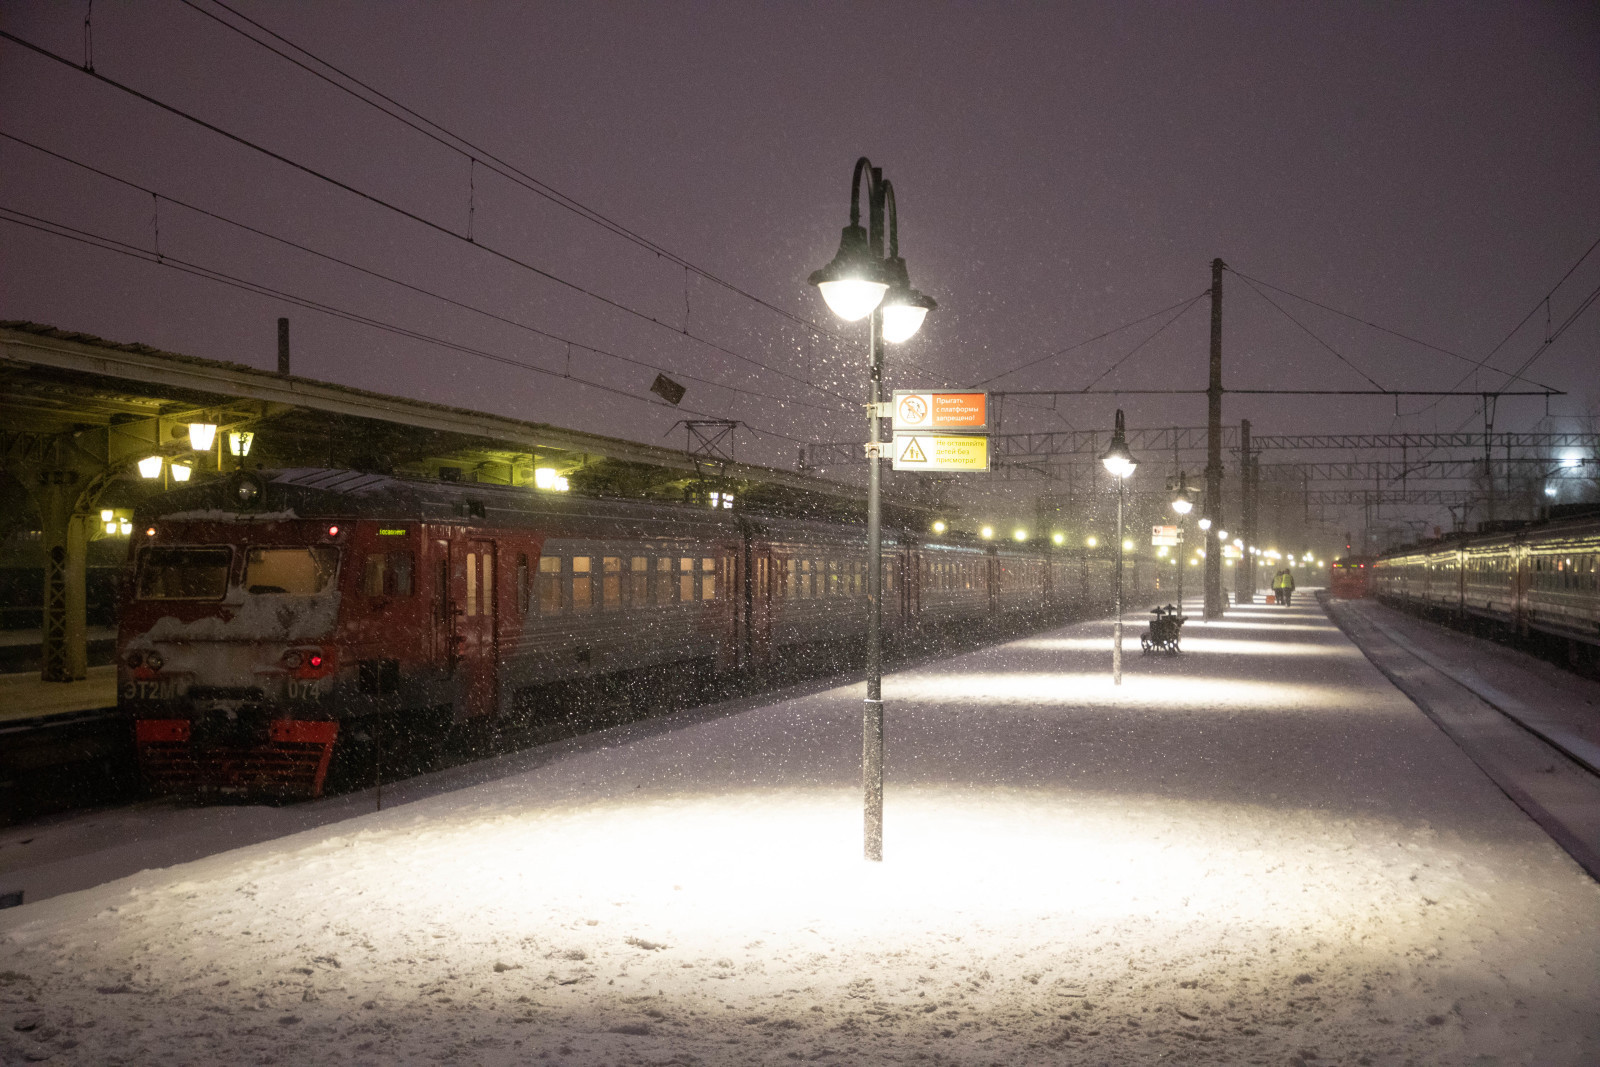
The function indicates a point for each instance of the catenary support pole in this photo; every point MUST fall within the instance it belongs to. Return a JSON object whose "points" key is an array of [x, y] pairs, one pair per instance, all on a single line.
{"points": [[1213, 577]]}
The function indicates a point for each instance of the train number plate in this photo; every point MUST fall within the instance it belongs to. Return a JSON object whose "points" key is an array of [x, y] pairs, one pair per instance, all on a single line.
{"points": [[305, 689], [153, 689]]}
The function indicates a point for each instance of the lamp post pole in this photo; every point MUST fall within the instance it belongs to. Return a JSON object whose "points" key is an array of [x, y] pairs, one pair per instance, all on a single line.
{"points": [[872, 709], [1120, 463], [863, 282], [1116, 632]]}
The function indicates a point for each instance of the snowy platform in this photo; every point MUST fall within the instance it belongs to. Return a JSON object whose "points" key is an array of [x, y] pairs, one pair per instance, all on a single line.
{"points": [[26, 696], [1258, 851]]}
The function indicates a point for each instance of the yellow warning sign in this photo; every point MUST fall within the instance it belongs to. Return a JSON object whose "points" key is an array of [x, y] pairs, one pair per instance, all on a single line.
{"points": [[930, 452]]}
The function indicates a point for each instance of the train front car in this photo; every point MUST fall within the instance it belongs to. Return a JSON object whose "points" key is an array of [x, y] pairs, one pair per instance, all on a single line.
{"points": [[234, 659], [1350, 577]]}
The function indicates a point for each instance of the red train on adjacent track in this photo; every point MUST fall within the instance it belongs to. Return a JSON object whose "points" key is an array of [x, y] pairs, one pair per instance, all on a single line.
{"points": [[272, 617], [1350, 577]]}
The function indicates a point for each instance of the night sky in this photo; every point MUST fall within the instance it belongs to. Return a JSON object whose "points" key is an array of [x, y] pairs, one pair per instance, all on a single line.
{"points": [[1061, 170]]}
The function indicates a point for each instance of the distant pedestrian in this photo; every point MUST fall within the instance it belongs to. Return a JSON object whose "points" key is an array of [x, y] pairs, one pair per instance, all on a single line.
{"points": [[1283, 587]]}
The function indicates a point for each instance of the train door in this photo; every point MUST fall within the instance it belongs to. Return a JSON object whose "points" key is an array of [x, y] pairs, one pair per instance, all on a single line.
{"points": [[472, 604], [757, 601]]}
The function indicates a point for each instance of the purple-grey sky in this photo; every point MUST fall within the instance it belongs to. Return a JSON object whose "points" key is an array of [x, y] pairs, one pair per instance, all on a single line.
{"points": [[1061, 169]]}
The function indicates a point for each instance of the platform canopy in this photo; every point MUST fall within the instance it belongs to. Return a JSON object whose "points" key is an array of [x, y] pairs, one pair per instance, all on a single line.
{"points": [[78, 414]]}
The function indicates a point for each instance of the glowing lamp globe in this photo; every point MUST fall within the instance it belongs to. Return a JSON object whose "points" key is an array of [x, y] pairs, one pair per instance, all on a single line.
{"points": [[901, 321], [1182, 505], [201, 434], [1117, 459], [853, 283]]}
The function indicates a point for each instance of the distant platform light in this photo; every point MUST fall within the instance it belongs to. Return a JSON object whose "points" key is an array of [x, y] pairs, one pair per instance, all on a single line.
{"points": [[1127, 546], [125, 526], [239, 442], [201, 435], [939, 526], [1092, 542], [150, 467], [1058, 538], [987, 531], [107, 514], [1020, 535], [181, 472]]}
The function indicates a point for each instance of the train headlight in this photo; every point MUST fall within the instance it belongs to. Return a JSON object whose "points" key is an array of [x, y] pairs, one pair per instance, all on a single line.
{"points": [[153, 660], [291, 659], [135, 659]]}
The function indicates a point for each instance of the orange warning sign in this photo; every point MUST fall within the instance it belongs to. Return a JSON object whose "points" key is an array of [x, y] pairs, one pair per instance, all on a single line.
{"points": [[965, 411]]}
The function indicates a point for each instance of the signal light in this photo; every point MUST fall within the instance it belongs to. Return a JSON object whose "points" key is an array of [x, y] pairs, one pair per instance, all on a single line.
{"points": [[314, 659], [153, 660], [333, 531]]}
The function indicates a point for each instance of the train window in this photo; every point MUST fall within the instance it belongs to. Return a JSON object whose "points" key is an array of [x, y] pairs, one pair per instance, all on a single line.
{"points": [[708, 579], [522, 583], [184, 573], [472, 584], [387, 574], [685, 579], [582, 590], [441, 581], [295, 571], [803, 579], [638, 581], [551, 599], [664, 580], [611, 583], [487, 601]]}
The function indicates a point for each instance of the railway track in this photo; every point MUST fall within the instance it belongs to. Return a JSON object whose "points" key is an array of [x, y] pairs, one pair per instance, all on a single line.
{"points": [[1532, 729]]}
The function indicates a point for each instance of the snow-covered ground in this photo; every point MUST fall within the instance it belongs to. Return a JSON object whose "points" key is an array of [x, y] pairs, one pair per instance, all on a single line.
{"points": [[1256, 852]]}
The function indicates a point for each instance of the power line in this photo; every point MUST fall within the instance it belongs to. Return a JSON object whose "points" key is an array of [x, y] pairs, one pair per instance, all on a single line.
{"points": [[1308, 331], [1365, 322], [1089, 341], [1543, 302], [455, 142], [57, 229], [372, 198], [1135, 349], [401, 283]]}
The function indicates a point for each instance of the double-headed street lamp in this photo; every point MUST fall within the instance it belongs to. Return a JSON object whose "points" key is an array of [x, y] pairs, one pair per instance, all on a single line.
{"points": [[1120, 462], [861, 281]]}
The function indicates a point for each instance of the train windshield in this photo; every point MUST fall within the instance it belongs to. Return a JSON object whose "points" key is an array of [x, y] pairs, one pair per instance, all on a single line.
{"points": [[183, 573], [296, 571]]}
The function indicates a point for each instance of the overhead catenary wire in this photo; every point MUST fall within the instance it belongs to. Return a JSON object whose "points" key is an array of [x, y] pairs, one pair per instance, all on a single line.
{"points": [[61, 230], [443, 135], [1309, 332], [558, 338], [1091, 340], [403, 212], [1365, 322], [1544, 303]]}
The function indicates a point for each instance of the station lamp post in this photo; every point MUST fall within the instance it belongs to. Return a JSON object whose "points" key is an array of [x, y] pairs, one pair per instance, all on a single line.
{"points": [[1120, 462], [1182, 503], [863, 283]]}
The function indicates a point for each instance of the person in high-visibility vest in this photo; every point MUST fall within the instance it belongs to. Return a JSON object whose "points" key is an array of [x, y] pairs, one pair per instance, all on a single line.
{"points": [[1283, 586]]}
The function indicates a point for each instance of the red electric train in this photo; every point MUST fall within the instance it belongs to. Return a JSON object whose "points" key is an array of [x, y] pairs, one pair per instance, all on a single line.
{"points": [[270, 616], [1349, 577]]}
